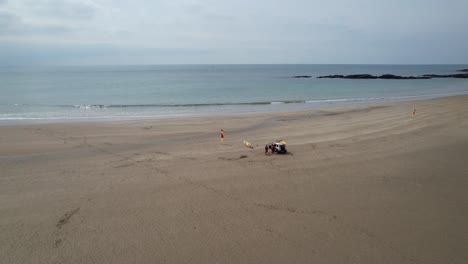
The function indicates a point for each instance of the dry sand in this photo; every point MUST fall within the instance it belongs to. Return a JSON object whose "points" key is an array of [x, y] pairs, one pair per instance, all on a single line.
{"points": [[362, 184]]}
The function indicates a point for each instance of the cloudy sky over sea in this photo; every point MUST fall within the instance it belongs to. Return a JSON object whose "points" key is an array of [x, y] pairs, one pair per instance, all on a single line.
{"points": [[88, 32]]}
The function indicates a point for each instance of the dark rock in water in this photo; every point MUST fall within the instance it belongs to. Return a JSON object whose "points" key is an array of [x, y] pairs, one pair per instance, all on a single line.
{"points": [[437, 76], [368, 76], [391, 76], [332, 76], [458, 75], [397, 77], [302, 76], [360, 76]]}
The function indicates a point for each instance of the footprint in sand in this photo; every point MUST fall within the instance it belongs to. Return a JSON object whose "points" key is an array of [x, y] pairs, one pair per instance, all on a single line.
{"points": [[66, 217]]}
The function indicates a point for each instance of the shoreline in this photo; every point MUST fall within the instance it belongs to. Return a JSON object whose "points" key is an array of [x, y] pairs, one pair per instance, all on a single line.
{"points": [[366, 184], [286, 107]]}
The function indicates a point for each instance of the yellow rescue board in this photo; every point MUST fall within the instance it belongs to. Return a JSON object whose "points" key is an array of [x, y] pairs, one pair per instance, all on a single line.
{"points": [[247, 144]]}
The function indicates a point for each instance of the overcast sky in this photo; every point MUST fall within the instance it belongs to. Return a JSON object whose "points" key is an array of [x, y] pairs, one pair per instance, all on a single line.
{"points": [[82, 32]]}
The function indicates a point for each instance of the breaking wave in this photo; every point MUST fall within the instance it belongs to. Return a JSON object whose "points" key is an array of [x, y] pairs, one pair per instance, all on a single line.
{"points": [[15, 112], [101, 106], [276, 102]]}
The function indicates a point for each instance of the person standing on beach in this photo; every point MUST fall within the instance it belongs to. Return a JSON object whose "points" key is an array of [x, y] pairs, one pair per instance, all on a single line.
{"points": [[266, 149]]}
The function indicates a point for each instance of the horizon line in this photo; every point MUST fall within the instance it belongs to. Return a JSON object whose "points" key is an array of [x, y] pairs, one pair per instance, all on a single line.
{"points": [[208, 64]]}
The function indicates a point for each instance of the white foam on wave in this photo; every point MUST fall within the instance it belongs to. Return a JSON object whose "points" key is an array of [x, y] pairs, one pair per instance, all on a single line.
{"points": [[344, 100], [361, 99], [90, 106], [77, 115]]}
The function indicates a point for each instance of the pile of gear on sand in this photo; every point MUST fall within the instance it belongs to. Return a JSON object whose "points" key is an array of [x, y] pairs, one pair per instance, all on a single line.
{"points": [[279, 146]]}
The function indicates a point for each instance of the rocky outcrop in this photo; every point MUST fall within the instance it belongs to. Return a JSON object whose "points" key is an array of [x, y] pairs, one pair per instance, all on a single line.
{"points": [[332, 76], [458, 75], [360, 76], [302, 76], [368, 76], [395, 77], [463, 75]]}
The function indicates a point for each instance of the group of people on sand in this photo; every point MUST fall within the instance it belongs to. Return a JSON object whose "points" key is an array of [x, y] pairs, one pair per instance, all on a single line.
{"points": [[271, 147], [278, 146]]}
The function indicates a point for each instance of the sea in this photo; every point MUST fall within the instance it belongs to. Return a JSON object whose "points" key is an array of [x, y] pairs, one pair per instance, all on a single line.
{"points": [[45, 94]]}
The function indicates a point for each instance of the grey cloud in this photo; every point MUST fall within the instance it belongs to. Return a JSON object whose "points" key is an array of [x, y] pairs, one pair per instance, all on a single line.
{"points": [[64, 9], [8, 21], [203, 12], [25, 20], [6, 17], [12, 25], [219, 17], [299, 31], [194, 8]]}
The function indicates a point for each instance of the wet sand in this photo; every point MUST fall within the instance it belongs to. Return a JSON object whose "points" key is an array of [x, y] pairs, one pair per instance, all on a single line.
{"points": [[360, 184]]}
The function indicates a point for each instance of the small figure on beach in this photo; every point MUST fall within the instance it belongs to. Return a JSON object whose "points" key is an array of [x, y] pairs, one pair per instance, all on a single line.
{"points": [[266, 149], [273, 148], [414, 112]]}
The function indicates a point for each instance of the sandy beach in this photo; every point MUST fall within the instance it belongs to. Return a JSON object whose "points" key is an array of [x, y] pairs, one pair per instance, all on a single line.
{"points": [[360, 184]]}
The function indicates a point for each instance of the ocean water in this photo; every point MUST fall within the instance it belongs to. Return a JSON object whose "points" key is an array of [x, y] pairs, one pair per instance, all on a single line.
{"points": [[57, 94]]}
